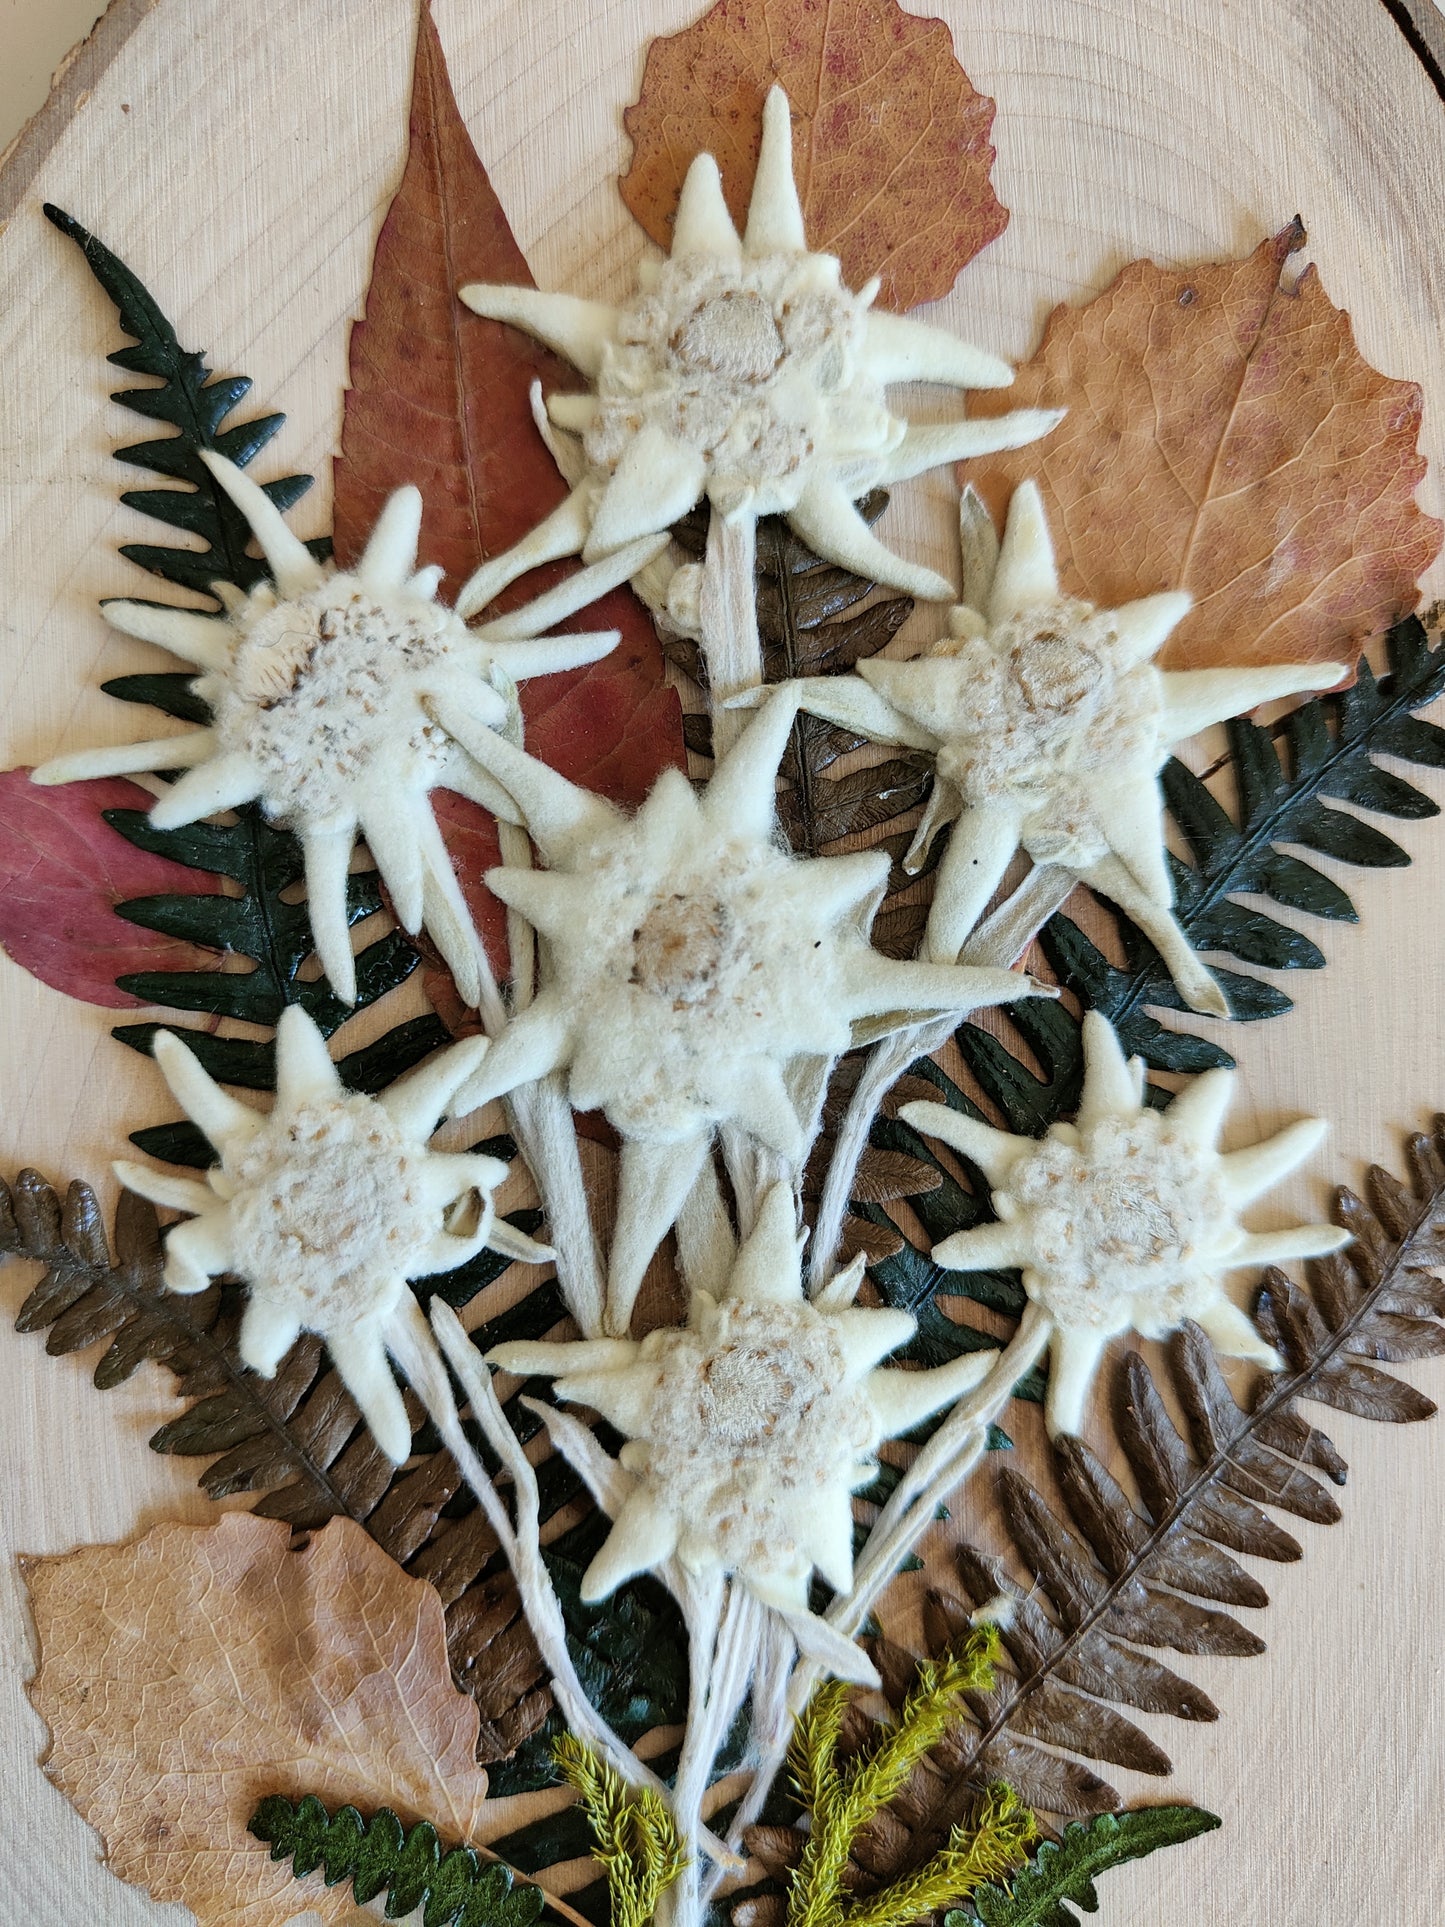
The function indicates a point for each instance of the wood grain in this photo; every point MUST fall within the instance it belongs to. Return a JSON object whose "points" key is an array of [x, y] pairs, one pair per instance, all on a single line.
{"points": [[241, 159]]}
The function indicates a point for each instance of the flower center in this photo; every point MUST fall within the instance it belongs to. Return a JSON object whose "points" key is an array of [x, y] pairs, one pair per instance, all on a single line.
{"points": [[755, 366], [682, 947], [1057, 677], [1130, 1211], [319, 685], [329, 1210], [733, 336]]}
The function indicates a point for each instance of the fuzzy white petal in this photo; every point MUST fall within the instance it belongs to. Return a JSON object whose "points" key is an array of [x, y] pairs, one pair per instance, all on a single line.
{"points": [[775, 214], [1073, 1362], [867, 1336], [898, 349], [128, 759], [828, 522], [987, 1247], [390, 553], [327, 856], [994, 1152], [768, 1269], [1192, 979], [1025, 576], [563, 532], [1198, 1111], [979, 851], [1144, 625], [304, 1070], [1230, 1332], [578, 329], [905, 1399], [223, 783], [203, 640], [935, 444], [1249, 1173], [703, 224], [293, 567], [658, 479], [1295, 1241], [163, 1187], [653, 1180], [268, 1331], [536, 1042], [644, 1535], [1195, 698], [197, 1251], [359, 1354], [1110, 1088], [418, 1102], [224, 1119]]}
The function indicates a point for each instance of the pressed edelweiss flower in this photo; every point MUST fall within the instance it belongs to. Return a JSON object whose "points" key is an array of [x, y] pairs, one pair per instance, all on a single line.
{"points": [[691, 962], [318, 682], [1050, 724], [326, 1207], [744, 371], [750, 1427], [1128, 1218]]}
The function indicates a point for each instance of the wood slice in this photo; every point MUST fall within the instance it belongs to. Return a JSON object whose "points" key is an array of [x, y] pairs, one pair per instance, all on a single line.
{"points": [[241, 160]]}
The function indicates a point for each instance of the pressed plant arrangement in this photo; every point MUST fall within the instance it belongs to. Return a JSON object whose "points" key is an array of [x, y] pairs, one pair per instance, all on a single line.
{"points": [[689, 973]]}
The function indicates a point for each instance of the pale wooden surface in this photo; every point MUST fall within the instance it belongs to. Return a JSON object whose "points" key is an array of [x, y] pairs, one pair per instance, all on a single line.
{"points": [[241, 158]]}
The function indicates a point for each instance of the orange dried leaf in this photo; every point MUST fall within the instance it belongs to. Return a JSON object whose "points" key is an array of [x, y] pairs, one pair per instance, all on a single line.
{"points": [[891, 139], [1226, 436], [185, 1676]]}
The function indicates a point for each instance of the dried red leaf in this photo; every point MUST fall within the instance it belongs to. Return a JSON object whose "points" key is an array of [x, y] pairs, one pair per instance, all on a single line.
{"points": [[439, 397], [890, 136], [63, 870], [1226, 436]]}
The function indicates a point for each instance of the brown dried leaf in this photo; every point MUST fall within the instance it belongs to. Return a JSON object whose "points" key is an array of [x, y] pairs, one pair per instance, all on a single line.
{"points": [[190, 1673], [890, 136], [1226, 436]]}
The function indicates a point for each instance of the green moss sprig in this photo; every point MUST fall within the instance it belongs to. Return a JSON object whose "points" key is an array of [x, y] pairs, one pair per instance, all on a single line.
{"points": [[842, 1797], [636, 1841]]}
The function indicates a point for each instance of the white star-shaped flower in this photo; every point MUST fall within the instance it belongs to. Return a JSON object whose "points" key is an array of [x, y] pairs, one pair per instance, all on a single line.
{"points": [[318, 681], [750, 1427], [690, 962], [1050, 724], [1128, 1218], [745, 372], [326, 1206]]}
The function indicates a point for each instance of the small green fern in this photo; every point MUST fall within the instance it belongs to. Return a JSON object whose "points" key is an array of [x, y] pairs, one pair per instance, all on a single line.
{"points": [[634, 1838], [843, 1797], [1065, 1870], [455, 1889]]}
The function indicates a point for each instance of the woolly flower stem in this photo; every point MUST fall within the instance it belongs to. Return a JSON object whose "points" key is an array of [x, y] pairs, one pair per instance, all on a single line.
{"points": [[949, 1457], [998, 942], [728, 620], [541, 1117], [520, 1544]]}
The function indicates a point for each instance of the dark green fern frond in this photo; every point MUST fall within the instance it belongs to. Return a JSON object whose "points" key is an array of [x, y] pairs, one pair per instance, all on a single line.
{"points": [[454, 1889], [1330, 751], [196, 403]]}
